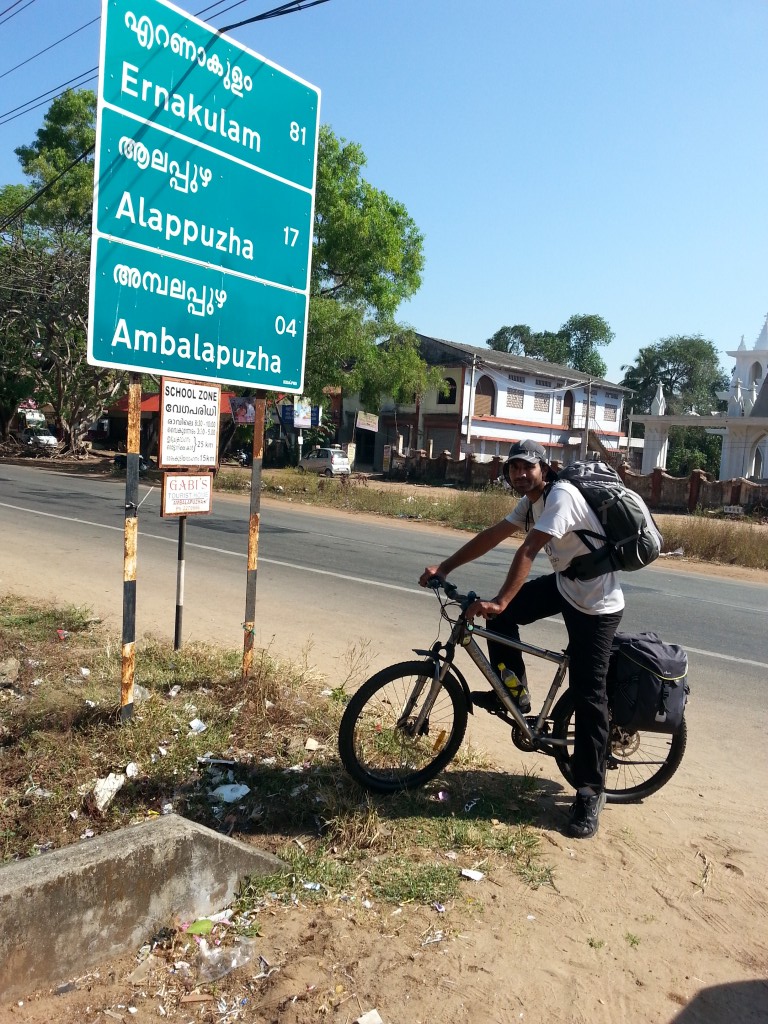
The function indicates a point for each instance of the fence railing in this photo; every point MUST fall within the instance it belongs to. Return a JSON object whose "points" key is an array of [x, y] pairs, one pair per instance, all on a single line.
{"points": [[661, 491]]}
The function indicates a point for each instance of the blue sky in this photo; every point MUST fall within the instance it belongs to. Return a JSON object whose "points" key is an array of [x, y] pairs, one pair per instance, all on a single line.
{"points": [[602, 156]]}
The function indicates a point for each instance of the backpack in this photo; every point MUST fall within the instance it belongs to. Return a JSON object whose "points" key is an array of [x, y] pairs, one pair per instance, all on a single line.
{"points": [[647, 683], [632, 540]]}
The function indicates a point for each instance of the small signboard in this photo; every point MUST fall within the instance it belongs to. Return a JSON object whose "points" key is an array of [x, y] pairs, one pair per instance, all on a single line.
{"points": [[302, 412], [367, 421], [189, 424], [186, 494], [243, 411]]}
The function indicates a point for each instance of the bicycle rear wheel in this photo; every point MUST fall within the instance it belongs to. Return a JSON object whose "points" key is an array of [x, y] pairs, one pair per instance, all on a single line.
{"points": [[377, 744], [638, 763]]}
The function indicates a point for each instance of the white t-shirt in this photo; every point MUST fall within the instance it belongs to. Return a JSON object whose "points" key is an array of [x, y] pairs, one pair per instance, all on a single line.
{"points": [[565, 511]]}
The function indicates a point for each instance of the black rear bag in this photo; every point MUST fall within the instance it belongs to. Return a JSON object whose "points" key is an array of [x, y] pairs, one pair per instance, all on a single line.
{"points": [[647, 683]]}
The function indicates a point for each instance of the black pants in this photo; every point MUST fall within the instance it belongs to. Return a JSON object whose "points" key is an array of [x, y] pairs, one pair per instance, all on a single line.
{"points": [[589, 648]]}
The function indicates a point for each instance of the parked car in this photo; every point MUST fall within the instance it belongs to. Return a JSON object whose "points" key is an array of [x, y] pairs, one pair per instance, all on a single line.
{"points": [[38, 437], [328, 461]]}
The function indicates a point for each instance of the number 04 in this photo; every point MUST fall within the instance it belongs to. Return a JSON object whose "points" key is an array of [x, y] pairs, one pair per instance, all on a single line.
{"points": [[283, 326]]}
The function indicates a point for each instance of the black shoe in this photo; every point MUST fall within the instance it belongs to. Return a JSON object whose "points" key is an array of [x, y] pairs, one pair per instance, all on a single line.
{"points": [[488, 700], [584, 820]]}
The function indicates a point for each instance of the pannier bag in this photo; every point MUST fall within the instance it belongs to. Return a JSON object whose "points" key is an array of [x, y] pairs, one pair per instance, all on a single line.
{"points": [[647, 683]]}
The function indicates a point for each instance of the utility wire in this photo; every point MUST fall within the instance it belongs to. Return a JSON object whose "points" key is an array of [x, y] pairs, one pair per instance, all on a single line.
{"points": [[10, 8], [33, 199], [62, 86], [292, 7], [27, 4], [41, 52]]}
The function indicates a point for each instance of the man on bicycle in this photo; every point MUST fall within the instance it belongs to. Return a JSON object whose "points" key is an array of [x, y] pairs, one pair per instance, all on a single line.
{"points": [[591, 610]]}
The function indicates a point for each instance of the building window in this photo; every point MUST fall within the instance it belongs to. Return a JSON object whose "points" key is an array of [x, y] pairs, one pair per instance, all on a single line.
{"points": [[611, 411], [558, 404], [485, 392], [542, 383], [515, 398], [611, 395], [541, 402], [519, 377], [450, 397]]}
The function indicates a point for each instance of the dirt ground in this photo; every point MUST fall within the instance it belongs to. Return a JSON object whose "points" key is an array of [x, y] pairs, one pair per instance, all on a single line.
{"points": [[660, 918]]}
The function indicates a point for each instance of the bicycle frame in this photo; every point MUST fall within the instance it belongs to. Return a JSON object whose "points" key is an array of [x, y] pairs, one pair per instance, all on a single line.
{"points": [[463, 635]]}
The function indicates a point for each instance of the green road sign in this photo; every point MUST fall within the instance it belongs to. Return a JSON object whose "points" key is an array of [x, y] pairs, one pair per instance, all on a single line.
{"points": [[188, 320], [203, 204]]}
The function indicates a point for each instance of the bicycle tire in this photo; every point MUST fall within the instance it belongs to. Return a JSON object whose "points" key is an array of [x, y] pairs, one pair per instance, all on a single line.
{"points": [[381, 756], [643, 762]]}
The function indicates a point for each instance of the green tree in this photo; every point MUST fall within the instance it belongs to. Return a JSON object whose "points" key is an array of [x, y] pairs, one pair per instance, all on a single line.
{"points": [[688, 368], [367, 259], [574, 345], [44, 263], [585, 333], [515, 339], [550, 346]]}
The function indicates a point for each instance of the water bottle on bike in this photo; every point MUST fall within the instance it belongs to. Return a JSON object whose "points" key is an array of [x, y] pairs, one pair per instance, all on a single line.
{"points": [[517, 688]]}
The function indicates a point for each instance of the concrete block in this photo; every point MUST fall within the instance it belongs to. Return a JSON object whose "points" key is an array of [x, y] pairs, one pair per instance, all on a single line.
{"points": [[69, 910]]}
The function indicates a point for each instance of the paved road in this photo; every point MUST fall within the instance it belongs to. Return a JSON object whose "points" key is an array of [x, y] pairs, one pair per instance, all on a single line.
{"points": [[330, 582]]}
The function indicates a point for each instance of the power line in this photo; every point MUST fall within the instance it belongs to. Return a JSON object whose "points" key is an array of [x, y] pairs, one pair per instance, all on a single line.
{"points": [[27, 4], [25, 107], [41, 52], [293, 7], [33, 199]]}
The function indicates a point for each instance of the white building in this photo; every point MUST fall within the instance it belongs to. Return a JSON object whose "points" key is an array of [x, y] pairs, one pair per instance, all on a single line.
{"points": [[493, 400], [743, 427]]}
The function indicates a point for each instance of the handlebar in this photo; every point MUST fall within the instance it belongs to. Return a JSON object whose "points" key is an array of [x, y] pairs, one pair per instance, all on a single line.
{"points": [[451, 592]]}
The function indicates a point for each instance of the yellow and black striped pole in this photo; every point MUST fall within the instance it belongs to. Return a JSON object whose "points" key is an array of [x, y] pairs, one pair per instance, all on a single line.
{"points": [[129, 549], [253, 537]]}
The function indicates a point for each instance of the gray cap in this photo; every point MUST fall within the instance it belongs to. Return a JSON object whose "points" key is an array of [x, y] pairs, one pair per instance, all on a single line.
{"points": [[528, 451]]}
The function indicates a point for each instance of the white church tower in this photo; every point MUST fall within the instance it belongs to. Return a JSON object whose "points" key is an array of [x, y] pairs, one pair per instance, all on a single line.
{"points": [[745, 446]]}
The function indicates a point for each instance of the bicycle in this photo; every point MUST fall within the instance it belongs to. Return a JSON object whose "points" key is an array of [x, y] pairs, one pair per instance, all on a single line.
{"points": [[406, 723]]}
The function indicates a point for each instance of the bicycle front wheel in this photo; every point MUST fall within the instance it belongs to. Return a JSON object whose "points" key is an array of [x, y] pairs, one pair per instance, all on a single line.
{"points": [[638, 763], [378, 743]]}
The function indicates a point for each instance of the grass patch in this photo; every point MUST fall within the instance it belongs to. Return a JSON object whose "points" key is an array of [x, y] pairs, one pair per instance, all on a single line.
{"points": [[717, 540], [60, 731]]}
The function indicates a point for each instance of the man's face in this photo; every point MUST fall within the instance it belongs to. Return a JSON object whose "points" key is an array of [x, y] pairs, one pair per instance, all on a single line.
{"points": [[526, 477]]}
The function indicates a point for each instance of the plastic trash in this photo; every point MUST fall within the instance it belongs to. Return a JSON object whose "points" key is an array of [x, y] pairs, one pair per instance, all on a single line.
{"points": [[197, 726], [476, 876], [132, 770], [84, 672], [229, 793], [104, 791], [214, 963], [371, 1017], [311, 744], [174, 691], [202, 927]]}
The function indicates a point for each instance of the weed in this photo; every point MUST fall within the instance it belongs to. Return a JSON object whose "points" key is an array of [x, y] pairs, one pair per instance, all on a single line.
{"points": [[62, 733], [633, 940], [596, 943]]}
